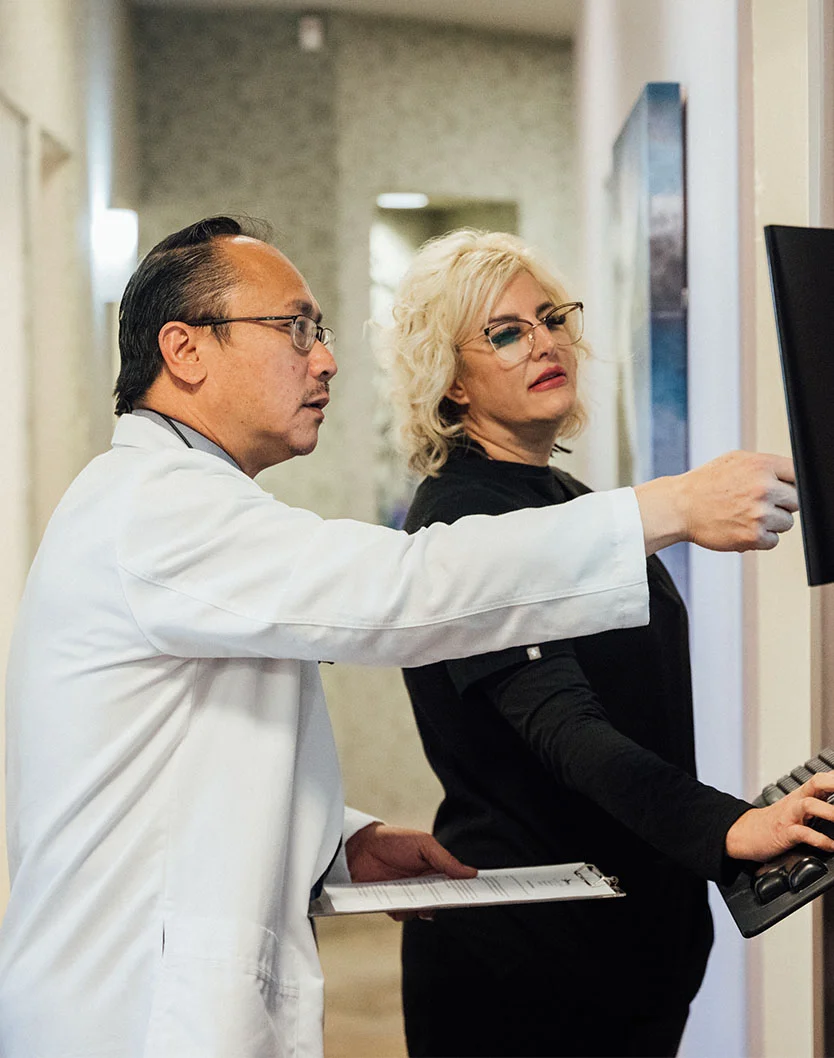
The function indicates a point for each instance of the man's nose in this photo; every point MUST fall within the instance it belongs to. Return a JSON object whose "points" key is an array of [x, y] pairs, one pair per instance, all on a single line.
{"points": [[321, 364]]}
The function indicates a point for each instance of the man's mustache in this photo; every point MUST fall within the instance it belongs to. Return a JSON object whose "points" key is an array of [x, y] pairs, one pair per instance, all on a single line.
{"points": [[320, 393]]}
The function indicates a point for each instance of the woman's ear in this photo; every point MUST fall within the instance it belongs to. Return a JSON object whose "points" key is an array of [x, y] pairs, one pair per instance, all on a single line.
{"points": [[457, 392]]}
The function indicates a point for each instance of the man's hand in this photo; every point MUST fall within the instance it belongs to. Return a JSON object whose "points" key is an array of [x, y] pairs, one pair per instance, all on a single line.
{"points": [[738, 502], [381, 853], [763, 833]]}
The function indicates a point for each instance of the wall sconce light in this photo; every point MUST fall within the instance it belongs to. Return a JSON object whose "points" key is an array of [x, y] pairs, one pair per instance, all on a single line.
{"points": [[311, 33], [115, 245], [402, 200]]}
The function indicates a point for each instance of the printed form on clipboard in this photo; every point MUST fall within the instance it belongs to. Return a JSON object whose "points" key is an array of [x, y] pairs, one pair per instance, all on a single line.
{"points": [[513, 885]]}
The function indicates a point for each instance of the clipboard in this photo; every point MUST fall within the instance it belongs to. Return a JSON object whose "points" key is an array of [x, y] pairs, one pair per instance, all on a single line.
{"points": [[513, 885]]}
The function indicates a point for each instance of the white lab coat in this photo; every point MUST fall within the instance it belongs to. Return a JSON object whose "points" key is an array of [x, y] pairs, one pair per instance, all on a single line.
{"points": [[173, 787]]}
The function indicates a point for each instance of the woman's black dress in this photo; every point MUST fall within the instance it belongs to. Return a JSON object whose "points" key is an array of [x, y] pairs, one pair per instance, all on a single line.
{"points": [[584, 753]]}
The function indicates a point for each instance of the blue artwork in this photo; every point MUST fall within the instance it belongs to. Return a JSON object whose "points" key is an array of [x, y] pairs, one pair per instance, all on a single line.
{"points": [[648, 214]]}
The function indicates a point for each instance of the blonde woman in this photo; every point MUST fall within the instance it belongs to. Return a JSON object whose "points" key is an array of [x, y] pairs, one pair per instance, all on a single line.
{"points": [[576, 750]]}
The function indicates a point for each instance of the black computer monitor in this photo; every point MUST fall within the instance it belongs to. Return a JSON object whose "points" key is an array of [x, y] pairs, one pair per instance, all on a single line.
{"points": [[802, 278]]}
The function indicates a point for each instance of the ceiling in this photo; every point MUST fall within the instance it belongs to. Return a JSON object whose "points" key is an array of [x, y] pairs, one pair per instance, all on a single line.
{"points": [[552, 18]]}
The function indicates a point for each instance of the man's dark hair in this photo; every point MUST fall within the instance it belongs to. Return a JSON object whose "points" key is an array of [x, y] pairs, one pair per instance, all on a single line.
{"points": [[187, 276]]}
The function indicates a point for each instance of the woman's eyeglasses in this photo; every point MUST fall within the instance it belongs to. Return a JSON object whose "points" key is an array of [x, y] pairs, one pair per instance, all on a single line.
{"points": [[565, 322]]}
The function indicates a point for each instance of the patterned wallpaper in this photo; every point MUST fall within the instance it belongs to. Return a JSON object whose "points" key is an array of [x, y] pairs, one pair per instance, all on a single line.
{"points": [[232, 116]]}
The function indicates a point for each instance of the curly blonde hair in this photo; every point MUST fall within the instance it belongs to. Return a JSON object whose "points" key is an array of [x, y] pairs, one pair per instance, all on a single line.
{"points": [[452, 284]]}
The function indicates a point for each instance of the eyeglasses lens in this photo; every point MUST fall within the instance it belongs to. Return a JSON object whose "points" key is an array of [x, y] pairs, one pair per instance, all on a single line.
{"points": [[507, 336], [306, 332], [303, 333], [579, 325], [569, 322], [565, 324]]}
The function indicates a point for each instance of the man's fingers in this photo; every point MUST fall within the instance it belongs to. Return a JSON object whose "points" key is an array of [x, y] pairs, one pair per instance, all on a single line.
{"points": [[777, 520], [783, 468], [379, 852], [442, 860], [409, 916], [741, 501], [766, 541], [783, 495]]}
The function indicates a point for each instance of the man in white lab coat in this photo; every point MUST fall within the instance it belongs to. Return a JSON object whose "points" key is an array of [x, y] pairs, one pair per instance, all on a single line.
{"points": [[173, 787]]}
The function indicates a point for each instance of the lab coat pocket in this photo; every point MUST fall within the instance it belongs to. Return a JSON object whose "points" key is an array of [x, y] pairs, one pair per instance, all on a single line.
{"points": [[225, 990]]}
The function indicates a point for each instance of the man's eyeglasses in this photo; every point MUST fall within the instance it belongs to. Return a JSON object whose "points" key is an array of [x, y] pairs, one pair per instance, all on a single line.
{"points": [[565, 322], [304, 331]]}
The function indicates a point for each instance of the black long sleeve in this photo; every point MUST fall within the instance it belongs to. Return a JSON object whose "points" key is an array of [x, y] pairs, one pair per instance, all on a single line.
{"points": [[551, 705]]}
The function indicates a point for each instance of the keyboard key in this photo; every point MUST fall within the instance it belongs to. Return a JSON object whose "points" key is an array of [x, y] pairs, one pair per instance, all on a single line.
{"points": [[807, 870], [771, 794], [770, 884]]}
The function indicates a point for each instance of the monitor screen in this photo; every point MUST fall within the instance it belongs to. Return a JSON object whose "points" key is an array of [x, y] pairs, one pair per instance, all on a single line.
{"points": [[802, 278]]}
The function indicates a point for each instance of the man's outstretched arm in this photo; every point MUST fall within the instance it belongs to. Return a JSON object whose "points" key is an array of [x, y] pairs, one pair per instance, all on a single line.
{"points": [[740, 501], [212, 563]]}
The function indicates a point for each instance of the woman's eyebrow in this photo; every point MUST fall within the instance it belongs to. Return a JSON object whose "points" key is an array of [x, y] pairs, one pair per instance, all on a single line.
{"points": [[546, 306], [504, 319]]}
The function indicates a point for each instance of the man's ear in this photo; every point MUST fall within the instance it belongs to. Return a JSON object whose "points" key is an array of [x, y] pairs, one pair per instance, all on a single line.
{"points": [[180, 345], [457, 393]]}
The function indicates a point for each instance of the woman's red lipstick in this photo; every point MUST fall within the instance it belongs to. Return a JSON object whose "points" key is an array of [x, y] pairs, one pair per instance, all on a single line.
{"points": [[550, 378]]}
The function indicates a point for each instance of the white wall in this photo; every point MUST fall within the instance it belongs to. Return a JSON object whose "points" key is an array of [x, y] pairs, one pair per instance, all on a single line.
{"points": [[621, 46], [13, 470], [39, 104], [778, 602], [57, 406]]}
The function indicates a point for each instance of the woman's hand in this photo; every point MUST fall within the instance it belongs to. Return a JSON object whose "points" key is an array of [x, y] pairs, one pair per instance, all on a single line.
{"points": [[763, 833]]}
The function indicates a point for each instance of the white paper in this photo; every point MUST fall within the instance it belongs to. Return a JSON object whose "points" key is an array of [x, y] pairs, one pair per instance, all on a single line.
{"points": [[514, 885]]}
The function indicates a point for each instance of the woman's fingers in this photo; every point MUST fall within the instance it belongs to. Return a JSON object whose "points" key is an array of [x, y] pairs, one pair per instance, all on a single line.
{"points": [[803, 806], [803, 835], [764, 833]]}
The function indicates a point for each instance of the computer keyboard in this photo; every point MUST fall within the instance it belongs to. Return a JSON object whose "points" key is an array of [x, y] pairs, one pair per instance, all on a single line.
{"points": [[824, 761], [764, 894]]}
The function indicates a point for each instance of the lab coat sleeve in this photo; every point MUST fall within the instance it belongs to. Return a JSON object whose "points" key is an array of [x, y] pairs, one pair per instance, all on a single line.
{"points": [[213, 566], [354, 822]]}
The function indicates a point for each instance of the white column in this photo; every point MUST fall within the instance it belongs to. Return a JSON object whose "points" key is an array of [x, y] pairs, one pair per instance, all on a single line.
{"points": [[14, 352], [778, 603]]}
